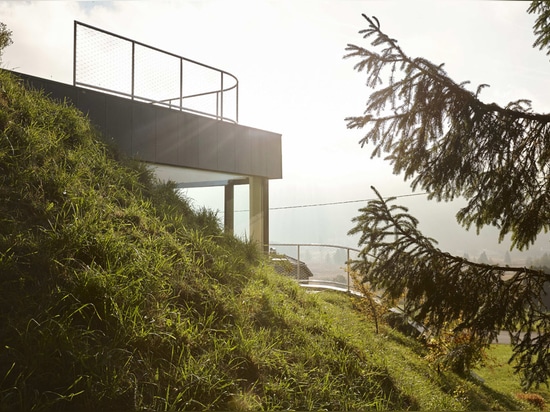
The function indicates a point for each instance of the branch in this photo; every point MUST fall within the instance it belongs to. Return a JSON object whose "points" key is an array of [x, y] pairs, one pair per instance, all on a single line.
{"points": [[442, 289], [542, 26], [436, 72], [451, 144]]}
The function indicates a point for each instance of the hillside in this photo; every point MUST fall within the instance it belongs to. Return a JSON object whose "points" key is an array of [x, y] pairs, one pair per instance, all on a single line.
{"points": [[116, 294]]}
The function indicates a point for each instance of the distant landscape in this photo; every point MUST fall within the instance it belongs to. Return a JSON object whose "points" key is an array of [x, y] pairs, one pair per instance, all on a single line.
{"points": [[330, 224]]}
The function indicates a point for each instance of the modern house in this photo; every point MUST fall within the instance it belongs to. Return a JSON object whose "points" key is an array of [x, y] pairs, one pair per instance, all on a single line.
{"points": [[177, 115]]}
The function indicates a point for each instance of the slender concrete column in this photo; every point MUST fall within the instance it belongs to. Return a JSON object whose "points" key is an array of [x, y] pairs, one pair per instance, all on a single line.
{"points": [[265, 205], [229, 208], [259, 211]]}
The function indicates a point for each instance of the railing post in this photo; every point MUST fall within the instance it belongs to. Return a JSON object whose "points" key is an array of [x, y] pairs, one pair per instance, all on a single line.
{"points": [[74, 53], [181, 84], [298, 266], [221, 90], [348, 267], [133, 67]]}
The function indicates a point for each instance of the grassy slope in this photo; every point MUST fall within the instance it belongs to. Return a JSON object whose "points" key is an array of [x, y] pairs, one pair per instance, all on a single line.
{"points": [[498, 375], [116, 295]]}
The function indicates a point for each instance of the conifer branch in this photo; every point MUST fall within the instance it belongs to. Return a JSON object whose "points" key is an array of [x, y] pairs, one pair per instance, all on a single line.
{"points": [[442, 289], [450, 143]]}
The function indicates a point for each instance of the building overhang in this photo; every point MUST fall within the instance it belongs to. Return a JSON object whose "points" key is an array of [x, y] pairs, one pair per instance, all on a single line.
{"points": [[186, 178], [168, 137]]}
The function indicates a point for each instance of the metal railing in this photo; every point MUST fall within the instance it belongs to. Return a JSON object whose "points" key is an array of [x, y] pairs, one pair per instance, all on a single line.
{"points": [[114, 64], [321, 283], [339, 286]]}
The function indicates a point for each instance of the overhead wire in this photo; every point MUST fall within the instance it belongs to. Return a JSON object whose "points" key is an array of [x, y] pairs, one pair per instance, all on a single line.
{"points": [[336, 203]]}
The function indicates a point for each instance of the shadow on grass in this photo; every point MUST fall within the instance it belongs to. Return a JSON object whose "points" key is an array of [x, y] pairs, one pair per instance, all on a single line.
{"points": [[480, 396], [494, 400]]}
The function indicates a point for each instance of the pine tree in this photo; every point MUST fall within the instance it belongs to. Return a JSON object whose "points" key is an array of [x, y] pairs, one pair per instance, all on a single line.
{"points": [[483, 258], [451, 144]]}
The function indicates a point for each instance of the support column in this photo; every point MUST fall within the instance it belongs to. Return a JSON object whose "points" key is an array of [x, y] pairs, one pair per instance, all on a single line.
{"points": [[259, 211], [265, 188], [229, 208]]}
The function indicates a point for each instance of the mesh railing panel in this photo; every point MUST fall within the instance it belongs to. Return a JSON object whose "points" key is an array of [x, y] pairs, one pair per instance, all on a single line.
{"points": [[198, 80], [103, 61], [156, 75], [230, 98]]}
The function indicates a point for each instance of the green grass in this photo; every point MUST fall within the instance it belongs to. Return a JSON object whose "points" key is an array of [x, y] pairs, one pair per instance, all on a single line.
{"points": [[498, 375], [115, 294]]}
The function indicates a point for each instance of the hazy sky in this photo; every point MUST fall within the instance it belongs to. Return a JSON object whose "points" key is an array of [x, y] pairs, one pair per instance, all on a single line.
{"points": [[294, 81]]}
